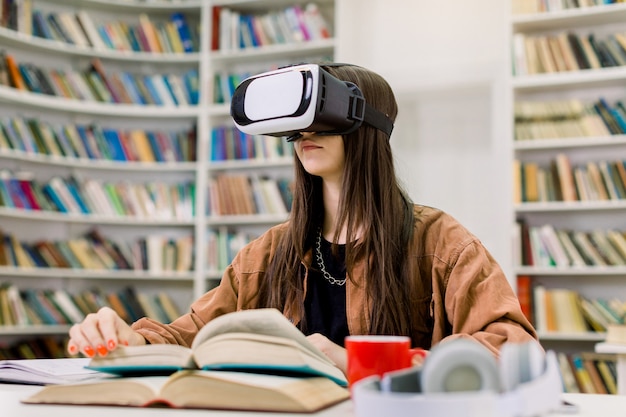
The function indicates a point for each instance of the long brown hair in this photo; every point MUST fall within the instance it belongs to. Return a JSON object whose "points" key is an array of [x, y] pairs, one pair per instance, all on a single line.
{"points": [[372, 202]]}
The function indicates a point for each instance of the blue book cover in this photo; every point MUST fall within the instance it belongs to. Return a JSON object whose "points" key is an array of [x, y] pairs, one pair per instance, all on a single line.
{"points": [[57, 27], [35, 256], [7, 201], [218, 149], [133, 39], [8, 244], [154, 144], [82, 133], [54, 198], [105, 37], [170, 90], [183, 31], [40, 26], [30, 296], [74, 189], [190, 80], [112, 138], [156, 98], [31, 82], [132, 89]]}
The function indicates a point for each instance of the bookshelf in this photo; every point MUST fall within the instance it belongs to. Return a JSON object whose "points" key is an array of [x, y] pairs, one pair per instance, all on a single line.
{"points": [[565, 126], [160, 199]]}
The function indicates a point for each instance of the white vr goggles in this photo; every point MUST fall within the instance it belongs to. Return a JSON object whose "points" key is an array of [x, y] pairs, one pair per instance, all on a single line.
{"points": [[302, 98]]}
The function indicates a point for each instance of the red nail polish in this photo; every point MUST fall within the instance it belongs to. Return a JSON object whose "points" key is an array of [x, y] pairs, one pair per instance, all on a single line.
{"points": [[89, 351], [111, 344], [102, 351], [72, 349]]}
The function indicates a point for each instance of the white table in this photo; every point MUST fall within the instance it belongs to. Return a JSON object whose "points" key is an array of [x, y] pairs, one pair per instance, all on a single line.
{"points": [[590, 405]]}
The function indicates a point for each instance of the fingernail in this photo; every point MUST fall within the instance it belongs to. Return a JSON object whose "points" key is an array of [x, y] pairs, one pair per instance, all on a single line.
{"points": [[125, 342], [89, 351], [102, 350], [111, 344], [73, 349]]}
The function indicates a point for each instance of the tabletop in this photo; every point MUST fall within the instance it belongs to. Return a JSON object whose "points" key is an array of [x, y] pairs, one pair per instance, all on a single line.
{"points": [[10, 395]]}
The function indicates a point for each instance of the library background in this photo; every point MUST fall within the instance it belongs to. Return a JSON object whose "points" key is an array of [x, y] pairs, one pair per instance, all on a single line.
{"points": [[123, 182]]}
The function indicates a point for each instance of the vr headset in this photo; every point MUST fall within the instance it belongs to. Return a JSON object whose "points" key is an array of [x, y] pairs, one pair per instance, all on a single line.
{"points": [[302, 98]]}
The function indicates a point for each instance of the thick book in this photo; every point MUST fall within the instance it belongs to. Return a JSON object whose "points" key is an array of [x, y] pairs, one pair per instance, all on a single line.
{"points": [[202, 389], [258, 340]]}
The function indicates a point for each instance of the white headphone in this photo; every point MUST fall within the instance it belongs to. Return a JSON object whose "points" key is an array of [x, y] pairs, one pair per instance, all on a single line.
{"points": [[461, 377]]}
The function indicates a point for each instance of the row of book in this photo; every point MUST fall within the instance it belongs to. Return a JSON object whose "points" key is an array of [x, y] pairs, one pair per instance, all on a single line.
{"points": [[28, 306], [222, 246], [547, 246], [567, 51], [47, 347], [174, 35], [152, 200], [95, 142], [568, 119], [93, 251], [542, 6], [225, 83], [233, 30], [94, 84], [563, 310], [588, 372], [562, 181], [229, 143], [231, 194]]}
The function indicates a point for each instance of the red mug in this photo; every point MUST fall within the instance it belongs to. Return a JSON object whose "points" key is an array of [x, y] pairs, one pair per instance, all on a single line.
{"points": [[377, 354]]}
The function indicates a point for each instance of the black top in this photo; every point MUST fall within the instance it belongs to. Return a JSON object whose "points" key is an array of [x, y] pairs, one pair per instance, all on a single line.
{"points": [[325, 303]]}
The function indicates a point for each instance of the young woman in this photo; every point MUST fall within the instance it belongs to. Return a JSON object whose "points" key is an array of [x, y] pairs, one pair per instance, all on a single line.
{"points": [[355, 257]]}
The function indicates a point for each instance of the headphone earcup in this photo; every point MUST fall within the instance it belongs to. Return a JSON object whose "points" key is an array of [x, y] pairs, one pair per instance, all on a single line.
{"points": [[459, 365], [520, 363]]}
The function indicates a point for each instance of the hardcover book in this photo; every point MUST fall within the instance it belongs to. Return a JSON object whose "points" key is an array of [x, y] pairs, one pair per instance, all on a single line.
{"points": [[259, 340]]}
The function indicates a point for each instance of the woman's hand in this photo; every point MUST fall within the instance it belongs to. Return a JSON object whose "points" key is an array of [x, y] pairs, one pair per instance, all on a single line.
{"points": [[334, 352], [100, 333]]}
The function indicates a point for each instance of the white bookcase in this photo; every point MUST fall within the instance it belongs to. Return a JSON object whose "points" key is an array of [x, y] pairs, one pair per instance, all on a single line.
{"points": [[587, 85], [30, 226]]}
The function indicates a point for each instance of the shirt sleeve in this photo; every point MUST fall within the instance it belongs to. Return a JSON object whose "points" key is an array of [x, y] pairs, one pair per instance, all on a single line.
{"points": [[480, 302], [220, 300]]}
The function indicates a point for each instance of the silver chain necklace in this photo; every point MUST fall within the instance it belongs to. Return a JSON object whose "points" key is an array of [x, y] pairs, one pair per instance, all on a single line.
{"points": [[320, 261]]}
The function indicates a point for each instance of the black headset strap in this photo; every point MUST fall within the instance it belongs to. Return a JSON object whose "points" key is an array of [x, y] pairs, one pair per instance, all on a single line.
{"points": [[377, 119]]}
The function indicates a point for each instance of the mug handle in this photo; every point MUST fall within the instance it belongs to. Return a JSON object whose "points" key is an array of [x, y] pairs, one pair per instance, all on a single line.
{"points": [[417, 356]]}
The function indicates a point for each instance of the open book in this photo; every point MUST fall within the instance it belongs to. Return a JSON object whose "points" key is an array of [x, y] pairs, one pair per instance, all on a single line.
{"points": [[202, 389], [258, 340], [48, 371]]}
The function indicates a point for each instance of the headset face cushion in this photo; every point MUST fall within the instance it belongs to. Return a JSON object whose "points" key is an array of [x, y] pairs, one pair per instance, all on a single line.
{"points": [[460, 365]]}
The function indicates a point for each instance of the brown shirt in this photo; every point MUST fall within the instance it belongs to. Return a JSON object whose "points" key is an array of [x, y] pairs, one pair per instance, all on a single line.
{"points": [[461, 291]]}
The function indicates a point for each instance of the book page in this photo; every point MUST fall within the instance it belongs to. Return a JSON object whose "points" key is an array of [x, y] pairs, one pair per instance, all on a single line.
{"points": [[265, 321], [144, 359], [47, 371]]}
